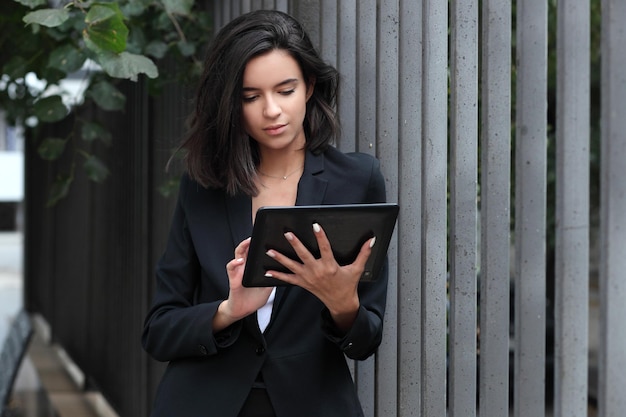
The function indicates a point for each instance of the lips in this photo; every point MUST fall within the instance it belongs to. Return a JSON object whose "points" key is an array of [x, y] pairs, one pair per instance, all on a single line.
{"points": [[275, 129]]}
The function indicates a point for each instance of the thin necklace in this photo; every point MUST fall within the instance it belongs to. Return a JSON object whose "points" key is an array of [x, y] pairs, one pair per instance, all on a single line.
{"points": [[280, 177]]}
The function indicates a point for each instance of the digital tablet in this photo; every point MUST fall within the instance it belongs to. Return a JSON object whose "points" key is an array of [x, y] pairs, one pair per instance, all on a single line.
{"points": [[347, 227]]}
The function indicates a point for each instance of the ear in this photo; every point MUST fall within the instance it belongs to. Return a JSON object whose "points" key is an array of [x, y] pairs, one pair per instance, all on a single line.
{"points": [[310, 88]]}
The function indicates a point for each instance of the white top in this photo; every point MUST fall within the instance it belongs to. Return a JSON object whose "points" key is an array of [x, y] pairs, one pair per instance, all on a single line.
{"points": [[265, 313]]}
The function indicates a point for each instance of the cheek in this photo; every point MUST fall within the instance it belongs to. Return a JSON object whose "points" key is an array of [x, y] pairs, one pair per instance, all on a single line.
{"points": [[304, 110], [247, 117]]}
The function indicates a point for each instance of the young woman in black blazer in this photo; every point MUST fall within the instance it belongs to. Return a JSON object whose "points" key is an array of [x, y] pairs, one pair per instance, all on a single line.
{"points": [[260, 135]]}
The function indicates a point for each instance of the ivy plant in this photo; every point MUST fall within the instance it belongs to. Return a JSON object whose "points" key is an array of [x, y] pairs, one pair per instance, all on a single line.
{"points": [[109, 41]]}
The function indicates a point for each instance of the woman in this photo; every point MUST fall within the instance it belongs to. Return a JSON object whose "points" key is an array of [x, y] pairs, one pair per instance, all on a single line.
{"points": [[260, 135]]}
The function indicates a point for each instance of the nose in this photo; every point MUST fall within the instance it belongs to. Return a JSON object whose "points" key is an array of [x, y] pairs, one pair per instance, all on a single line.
{"points": [[271, 110]]}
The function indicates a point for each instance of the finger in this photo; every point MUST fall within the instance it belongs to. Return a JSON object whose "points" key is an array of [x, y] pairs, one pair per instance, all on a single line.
{"points": [[364, 253], [323, 243], [288, 278], [242, 249], [232, 265], [301, 250], [290, 264]]}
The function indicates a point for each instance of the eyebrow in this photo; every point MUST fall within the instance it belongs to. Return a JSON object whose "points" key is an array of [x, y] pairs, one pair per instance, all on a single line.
{"points": [[280, 84]]}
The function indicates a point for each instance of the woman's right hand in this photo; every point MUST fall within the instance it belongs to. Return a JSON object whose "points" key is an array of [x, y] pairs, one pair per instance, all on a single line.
{"points": [[242, 301]]}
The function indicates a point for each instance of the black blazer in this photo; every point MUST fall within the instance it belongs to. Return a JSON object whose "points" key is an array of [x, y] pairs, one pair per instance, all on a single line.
{"points": [[301, 354]]}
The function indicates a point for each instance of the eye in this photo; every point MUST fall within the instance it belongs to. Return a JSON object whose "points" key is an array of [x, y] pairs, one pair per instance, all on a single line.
{"points": [[249, 99], [287, 92]]}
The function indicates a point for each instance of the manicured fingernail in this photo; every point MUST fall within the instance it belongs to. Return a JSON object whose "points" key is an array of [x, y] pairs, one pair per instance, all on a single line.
{"points": [[316, 228], [289, 236], [267, 274], [239, 259], [270, 253], [372, 242]]}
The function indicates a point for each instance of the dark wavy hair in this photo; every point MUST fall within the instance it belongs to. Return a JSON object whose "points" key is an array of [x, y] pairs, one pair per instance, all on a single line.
{"points": [[219, 153]]}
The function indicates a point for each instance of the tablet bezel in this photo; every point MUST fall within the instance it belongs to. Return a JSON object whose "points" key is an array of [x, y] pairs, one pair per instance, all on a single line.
{"points": [[348, 226]]}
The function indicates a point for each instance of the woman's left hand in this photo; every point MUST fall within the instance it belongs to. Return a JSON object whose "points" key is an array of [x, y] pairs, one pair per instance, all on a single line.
{"points": [[335, 285]]}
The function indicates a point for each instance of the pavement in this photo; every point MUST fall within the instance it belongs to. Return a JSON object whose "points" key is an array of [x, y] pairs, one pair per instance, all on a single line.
{"points": [[11, 295], [28, 397], [10, 278]]}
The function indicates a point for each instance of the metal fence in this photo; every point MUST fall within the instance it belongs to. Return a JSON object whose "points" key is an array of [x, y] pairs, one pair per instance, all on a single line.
{"points": [[89, 260], [483, 318]]}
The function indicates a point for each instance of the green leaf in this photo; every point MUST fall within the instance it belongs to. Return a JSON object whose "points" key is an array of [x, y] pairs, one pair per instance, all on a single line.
{"points": [[51, 148], [95, 169], [169, 187], [181, 7], [136, 41], [186, 48], [106, 28], [51, 75], [93, 48], [92, 131], [100, 12], [163, 23], [76, 23], [32, 3], [67, 59], [106, 96], [203, 19], [50, 109], [134, 8], [60, 188], [17, 67], [47, 17], [156, 49], [127, 65], [57, 34]]}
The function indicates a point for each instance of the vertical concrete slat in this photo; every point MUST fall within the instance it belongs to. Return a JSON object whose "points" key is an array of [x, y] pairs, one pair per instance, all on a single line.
{"points": [[366, 72], [246, 6], [495, 216], [282, 5], [530, 209], [329, 15], [463, 207], [612, 355], [434, 187], [387, 152], [366, 76], [347, 66], [410, 216], [572, 210]]}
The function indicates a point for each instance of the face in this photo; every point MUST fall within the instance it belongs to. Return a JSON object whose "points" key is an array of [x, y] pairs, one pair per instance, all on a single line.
{"points": [[274, 101]]}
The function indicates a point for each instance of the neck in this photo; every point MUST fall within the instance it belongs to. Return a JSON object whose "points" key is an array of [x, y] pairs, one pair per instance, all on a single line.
{"points": [[281, 165]]}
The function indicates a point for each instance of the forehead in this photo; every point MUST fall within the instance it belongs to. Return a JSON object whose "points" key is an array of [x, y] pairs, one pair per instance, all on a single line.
{"points": [[270, 69]]}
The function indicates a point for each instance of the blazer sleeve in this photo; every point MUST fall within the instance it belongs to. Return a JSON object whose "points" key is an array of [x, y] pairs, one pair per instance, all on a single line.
{"points": [[175, 326], [365, 335]]}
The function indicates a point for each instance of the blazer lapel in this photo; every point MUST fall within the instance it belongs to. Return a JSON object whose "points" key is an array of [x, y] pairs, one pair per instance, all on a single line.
{"points": [[312, 187]]}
